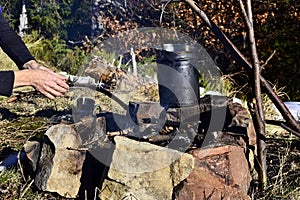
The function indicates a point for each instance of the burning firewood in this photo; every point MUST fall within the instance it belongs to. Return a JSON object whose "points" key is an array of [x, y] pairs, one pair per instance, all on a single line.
{"points": [[104, 71], [115, 77]]}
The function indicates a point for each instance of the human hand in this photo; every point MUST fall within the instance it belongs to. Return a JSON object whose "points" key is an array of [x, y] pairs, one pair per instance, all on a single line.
{"points": [[32, 64], [50, 84], [47, 82]]}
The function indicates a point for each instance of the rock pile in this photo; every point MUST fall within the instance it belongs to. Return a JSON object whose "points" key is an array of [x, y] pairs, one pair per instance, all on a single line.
{"points": [[175, 154]]}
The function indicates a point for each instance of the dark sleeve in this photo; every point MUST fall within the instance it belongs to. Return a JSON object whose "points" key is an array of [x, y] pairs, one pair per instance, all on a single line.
{"points": [[7, 79], [12, 44]]}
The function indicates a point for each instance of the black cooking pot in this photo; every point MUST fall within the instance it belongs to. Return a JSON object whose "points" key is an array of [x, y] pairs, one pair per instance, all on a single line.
{"points": [[178, 78]]}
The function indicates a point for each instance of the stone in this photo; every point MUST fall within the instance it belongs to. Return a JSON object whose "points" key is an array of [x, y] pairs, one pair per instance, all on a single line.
{"points": [[32, 150], [251, 133], [219, 173], [140, 170], [241, 120], [60, 162], [91, 129]]}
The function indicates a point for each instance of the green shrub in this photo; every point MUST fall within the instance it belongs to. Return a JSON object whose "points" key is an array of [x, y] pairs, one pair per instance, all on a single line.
{"points": [[56, 53]]}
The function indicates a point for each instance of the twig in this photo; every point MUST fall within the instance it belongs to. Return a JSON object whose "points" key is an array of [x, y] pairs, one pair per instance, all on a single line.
{"points": [[247, 19], [77, 149], [283, 125], [120, 62], [271, 56], [26, 189], [95, 194], [20, 165], [159, 138], [12, 99], [249, 12], [163, 10]]}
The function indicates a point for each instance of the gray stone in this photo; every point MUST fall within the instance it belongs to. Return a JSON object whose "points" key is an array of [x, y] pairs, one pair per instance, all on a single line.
{"points": [[60, 165], [144, 171], [32, 150]]}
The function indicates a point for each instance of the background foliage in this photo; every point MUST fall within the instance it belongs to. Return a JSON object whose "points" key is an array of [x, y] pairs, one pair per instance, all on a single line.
{"points": [[67, 23], [276, 29]]}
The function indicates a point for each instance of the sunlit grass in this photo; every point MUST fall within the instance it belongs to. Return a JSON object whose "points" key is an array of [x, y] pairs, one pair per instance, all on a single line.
{"points": [[6, 63]]}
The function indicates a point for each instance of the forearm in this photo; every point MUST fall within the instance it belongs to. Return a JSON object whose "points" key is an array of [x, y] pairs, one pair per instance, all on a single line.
{"points": [[14, 79], [23, 78], [6, 82]]}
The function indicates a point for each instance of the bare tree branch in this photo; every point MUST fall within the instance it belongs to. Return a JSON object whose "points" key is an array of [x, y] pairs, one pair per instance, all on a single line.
{"points": [[270, 57], [259, 113], [254, 56], [249, 12], [247, 19], [237, 55]]}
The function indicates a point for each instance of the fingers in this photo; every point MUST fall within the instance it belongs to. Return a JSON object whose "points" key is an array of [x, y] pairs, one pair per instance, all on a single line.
{"points": [[50, 84], [49, 92], [48, 95], [61, 81], [52, 94]]}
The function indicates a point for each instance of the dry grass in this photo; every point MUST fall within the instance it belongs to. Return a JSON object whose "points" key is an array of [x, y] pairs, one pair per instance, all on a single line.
{"points": [[283, 161], [20, 120], [5, 62], [32, 43], [270, 110]]}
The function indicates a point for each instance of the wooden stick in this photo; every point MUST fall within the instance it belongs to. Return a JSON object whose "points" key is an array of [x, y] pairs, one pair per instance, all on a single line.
{"points": [[26, 189], [259, 113]]}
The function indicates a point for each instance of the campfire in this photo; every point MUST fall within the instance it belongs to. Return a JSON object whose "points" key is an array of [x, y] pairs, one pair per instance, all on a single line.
{"points": [[182, 145]]}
